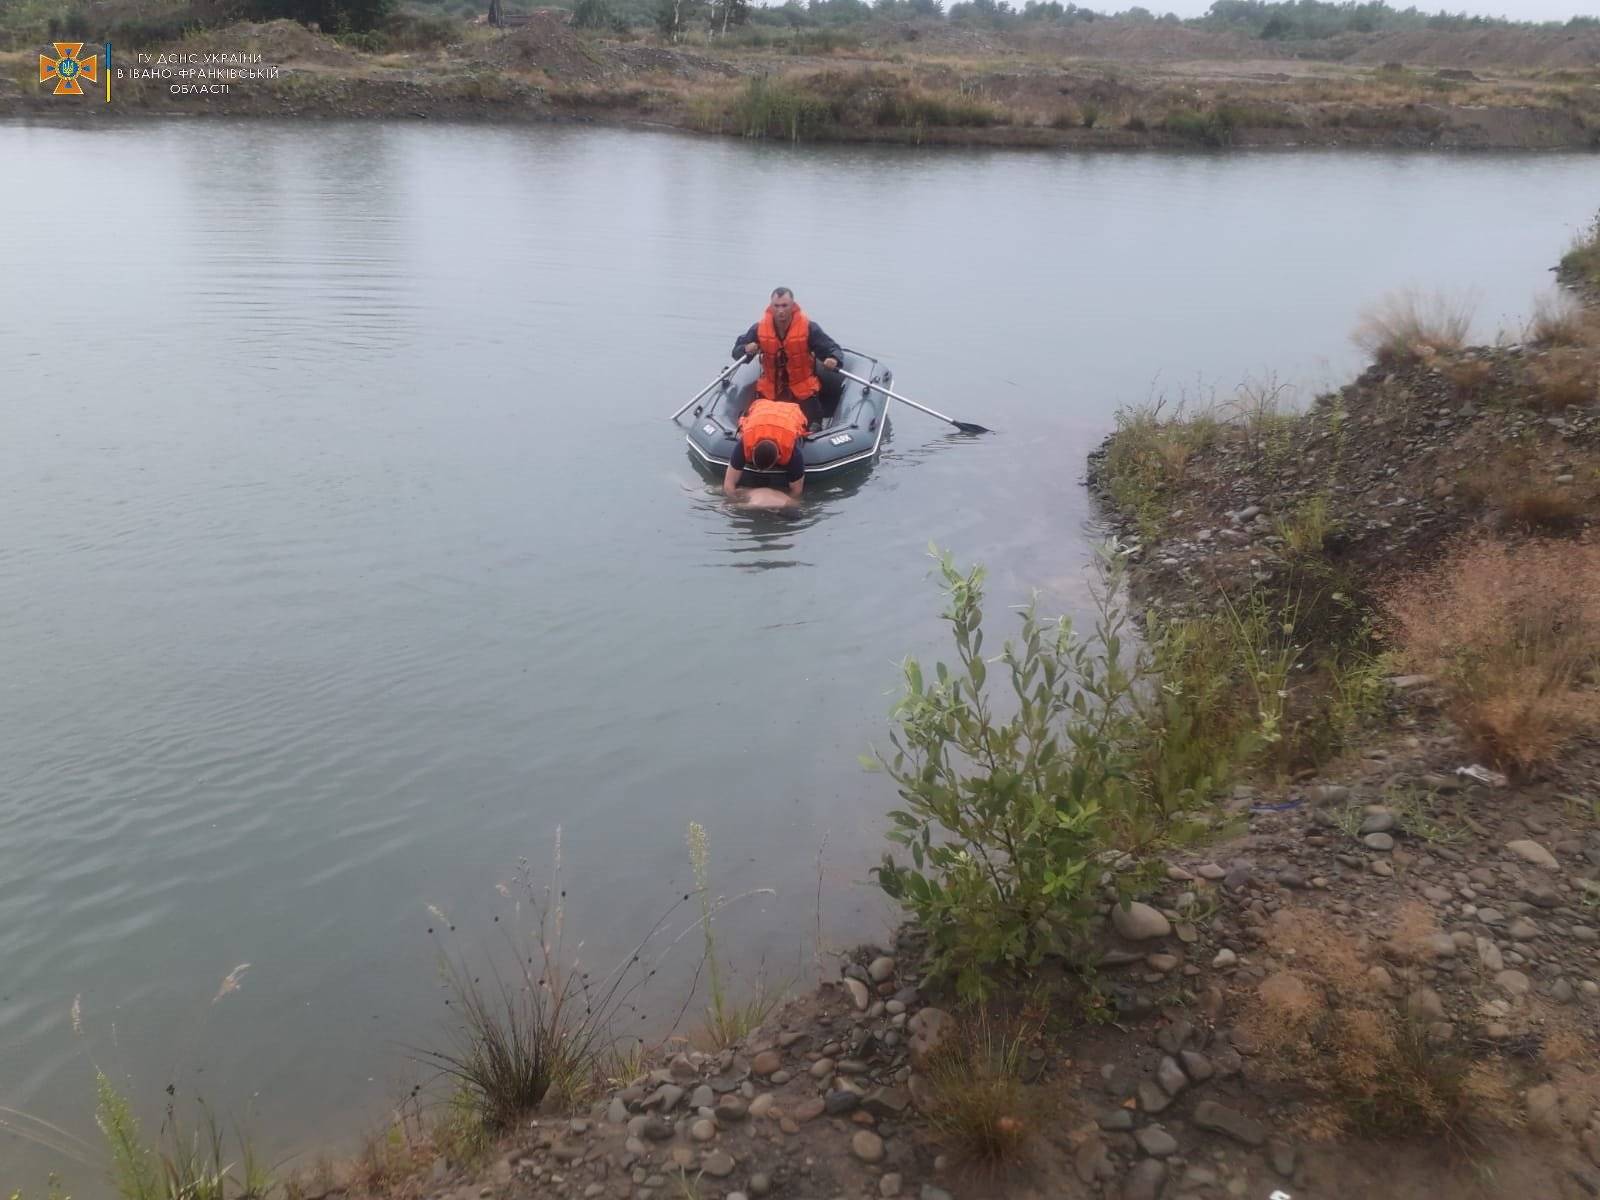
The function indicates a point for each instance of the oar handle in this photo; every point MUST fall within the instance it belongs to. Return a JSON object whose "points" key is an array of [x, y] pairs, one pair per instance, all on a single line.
{"points": [[721, 375]]}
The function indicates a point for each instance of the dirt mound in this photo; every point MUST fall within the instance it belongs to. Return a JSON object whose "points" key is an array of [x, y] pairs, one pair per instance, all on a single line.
{"points": [[278, 43], [645, 60], [546, 43], [1124, 41], [1488, 47]]}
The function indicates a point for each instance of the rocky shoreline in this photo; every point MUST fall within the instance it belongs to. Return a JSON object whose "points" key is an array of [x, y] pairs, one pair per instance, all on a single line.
{"points": [[1381, 978]]}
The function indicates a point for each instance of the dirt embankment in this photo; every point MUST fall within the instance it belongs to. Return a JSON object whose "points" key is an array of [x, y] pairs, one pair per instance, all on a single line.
{"points": [[1105, 84]]}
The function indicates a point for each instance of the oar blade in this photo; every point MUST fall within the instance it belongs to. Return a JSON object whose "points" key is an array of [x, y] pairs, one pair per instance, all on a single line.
{"points": [[969, 427]]}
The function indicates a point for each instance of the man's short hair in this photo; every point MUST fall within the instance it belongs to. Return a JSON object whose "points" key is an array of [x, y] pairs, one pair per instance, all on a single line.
{"points": [[765, 455], [781, 291]]}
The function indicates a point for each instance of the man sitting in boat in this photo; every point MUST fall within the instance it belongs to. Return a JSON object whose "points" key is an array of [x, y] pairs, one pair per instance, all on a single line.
{"points": [[771, 441], [788, 342]]}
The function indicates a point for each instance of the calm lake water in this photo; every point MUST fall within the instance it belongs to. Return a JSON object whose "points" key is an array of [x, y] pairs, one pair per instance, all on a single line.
{"points": [[346, 551]]}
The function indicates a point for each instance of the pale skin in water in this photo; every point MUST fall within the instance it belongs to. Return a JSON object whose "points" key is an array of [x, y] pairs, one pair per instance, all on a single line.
{"points": [[782, 313]]}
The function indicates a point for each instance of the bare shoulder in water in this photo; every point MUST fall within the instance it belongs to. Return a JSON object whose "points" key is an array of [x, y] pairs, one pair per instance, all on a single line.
{"points": [[766, 498]]}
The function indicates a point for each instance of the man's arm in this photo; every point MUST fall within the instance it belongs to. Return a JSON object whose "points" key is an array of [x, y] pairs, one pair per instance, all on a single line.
{"points": [[823, 346], [796, 473], [730, 482], [741, 348]]}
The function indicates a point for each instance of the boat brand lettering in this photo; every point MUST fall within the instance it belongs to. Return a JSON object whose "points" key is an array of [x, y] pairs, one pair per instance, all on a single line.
{"points": [[839, 440]]}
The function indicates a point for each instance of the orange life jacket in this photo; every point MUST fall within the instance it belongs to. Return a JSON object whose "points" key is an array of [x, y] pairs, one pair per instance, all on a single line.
{"points": [[786, 360], [779, 420]]}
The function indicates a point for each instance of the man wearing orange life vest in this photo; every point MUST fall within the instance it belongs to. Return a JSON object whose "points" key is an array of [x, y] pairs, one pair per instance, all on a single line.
{"points": [[788, 342]]}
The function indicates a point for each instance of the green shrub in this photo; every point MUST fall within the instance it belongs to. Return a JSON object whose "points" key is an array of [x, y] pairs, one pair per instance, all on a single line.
{"points": [[1004, 816]]}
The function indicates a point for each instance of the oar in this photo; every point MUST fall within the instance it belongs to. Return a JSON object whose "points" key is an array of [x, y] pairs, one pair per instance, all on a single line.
{"points": [[726, 371], [964, 426]]}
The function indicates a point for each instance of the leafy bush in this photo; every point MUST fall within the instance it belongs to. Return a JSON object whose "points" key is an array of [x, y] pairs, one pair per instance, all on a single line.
{"points": [[1005, 817]]}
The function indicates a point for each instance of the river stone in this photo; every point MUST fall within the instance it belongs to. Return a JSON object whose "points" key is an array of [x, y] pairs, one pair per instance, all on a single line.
{"points": [[1118, 1120], [703, 1130], [867, 1146], [1197, 1065], [1171, 1077], [719, 1163], [822, 1068], [889, 1186], [703, 1097], [930, 1029], [1378, 841], [617, 1111], [1381, 821], [1521, 929], [1152, 1098], [881, 969], [1145, 1181], [767, 1062], [1138, 922], [762, 1104], [1208, 1114], [730, 1108], [667, 1096], [656, 1130], [760, 1184], [1533, 852], [837, 1104], [858, 994], [1156, 1141], [1544, 1109], [1225, 958], [1513, 983]]}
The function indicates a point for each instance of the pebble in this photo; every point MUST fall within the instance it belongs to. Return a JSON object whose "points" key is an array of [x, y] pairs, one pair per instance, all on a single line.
{"points": [[1513, 983], [760, 1184], [1533, 852], [1491, 916], [1152, 1099], [1489, 955], [1380, 866], [719, 1164], [703, 1130], [1210, 871], [1521, 929], [1156, 1141], [1282, 1155], [867, 1146], [617, 1111], [1377, 820], [822, 1068], [858, 994], [762, 1105], [730, 1108], [1197, 1065], [1171, 1077], [1139, 922], [1165, 963], [1145, 1181], [766, 1062], [703, 1097], [1378, 841], [889, 1186], [929, 1192], [840, 1103], [1225, 958], [1208, 1114], [881, 969], [1118, 1120]]}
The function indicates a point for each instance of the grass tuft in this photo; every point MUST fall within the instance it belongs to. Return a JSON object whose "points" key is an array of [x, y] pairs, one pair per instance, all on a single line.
{"points": [[1513, 633], [1406, 326], [980, 1109]]}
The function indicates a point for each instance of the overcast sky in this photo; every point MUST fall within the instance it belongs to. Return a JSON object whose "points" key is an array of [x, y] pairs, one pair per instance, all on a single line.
{"points": [[1515, 10]]}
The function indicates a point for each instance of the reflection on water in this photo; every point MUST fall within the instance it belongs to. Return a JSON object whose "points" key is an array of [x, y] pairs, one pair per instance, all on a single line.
{"points": [[358, 556]]}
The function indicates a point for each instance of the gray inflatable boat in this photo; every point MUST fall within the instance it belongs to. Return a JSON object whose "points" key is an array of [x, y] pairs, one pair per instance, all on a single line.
{"points": [[847, 441]]}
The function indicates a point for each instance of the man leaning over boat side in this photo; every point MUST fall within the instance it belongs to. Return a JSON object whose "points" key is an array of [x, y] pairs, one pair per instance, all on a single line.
{"points": [[771, 440], [788, 342]]}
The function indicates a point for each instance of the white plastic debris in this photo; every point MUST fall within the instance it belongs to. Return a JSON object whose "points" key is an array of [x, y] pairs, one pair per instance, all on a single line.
{"points": [[1483, 775]]}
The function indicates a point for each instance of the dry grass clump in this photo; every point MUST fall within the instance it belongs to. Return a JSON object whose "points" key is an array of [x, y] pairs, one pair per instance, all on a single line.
{"points": [[1513, 633], [1469, 376], [1558, 320], [979, 1107], [1406, 326], [1550, 508], [1563, 378], [1370, 1068]]}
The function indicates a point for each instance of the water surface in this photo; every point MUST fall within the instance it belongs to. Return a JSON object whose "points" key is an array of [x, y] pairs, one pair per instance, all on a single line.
{"points": [[346, 552]]}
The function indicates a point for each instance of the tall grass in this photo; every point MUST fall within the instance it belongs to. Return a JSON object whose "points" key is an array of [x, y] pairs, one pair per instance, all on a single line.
{"points": [[979, 1108], [1406, 326], [727, 1021], [768, 108], [1513, 634], [533, 1028]]}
